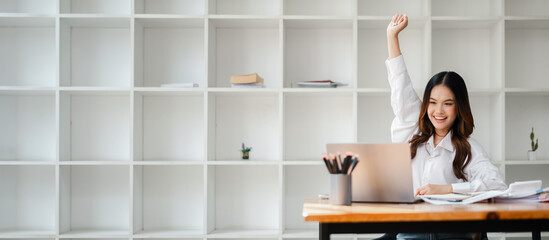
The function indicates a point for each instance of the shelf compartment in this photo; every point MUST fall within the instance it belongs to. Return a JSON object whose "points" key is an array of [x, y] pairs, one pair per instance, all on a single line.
{"points": [[29, 6], [318, 50], [96, 6], [537, 8], [178, 7], [91, 124], [90, 47], [476, 8], [297, 188], [311, 120], [169, 126], [169, 51], [487, 113], [515, 173], [27, 52], [28, 127], [472, 48], [237, 199], [372, 52], [319, 7], [413, 8], [28, 200], [243, 46], [525, 51], [168, 200], [250, 118], [244, 7], [94, 201], [375, 116], [521, 114]]}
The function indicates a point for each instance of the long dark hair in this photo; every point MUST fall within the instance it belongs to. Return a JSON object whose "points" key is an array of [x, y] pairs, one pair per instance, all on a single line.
{"points": [[462, 127]]}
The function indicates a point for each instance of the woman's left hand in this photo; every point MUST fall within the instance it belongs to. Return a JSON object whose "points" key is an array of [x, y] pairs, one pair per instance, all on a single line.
{"points": [[434, 189]]}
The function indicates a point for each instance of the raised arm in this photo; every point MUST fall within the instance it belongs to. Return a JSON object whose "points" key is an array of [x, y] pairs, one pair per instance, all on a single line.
{"points": [[404, 100], [397, 24]]}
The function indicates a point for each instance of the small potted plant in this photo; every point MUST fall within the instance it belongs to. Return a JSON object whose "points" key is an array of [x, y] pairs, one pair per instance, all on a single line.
{"points": [[532, 153], [245, 151]]}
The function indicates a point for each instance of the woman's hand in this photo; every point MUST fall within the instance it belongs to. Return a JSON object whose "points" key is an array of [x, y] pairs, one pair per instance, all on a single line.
{"points": [[434, 189], [397, 24]]}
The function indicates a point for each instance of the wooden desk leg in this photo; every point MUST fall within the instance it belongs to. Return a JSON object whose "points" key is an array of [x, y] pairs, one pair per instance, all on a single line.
{"points": [[536, 235], [323, 232]]}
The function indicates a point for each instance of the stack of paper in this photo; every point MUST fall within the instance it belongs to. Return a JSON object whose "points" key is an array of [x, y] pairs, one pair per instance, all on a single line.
{"points": [[526, 191], [320, 84], [179, 85], [247, 81]]}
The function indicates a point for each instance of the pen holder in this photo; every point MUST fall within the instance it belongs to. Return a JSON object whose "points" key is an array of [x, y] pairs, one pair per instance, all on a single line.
{"points": [[340, 189]]}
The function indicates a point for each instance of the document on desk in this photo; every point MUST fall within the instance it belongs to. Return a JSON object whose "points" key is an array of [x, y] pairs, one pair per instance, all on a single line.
{"points": [[515, 190]]}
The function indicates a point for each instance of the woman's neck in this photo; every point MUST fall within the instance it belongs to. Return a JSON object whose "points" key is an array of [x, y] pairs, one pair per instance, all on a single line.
{"points": [[439, 135]]}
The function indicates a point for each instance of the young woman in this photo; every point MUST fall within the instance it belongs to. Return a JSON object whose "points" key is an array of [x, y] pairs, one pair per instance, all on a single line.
{"points": [[444, 157]]}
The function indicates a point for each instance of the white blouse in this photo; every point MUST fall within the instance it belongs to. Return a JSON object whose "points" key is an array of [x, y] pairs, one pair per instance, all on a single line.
{"points": [[433, 165]]}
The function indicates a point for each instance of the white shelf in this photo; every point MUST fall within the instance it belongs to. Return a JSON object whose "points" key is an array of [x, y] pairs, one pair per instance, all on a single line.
{"points": [[521, 114], [102, 151], [318, 50], [158, 194], [31, 41], [462, 39], [243, 46], [169, 126], [312, 120], [237, 199], [28, 127], [169, 51], [526, 162], [240, 118], [523, 42], [89, 47], [95, 201], [28, 192], [90, 125]]}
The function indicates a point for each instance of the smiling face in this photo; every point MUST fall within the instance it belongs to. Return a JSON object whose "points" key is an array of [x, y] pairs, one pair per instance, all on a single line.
{"points": [[442, 109]]}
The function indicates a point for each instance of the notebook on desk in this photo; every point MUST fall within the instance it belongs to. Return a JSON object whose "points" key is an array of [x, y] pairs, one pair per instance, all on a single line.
{"points": [[384, 173]]}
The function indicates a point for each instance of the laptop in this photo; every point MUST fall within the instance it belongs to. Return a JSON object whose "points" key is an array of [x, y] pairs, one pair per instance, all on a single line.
{"points": [[383, 174]]}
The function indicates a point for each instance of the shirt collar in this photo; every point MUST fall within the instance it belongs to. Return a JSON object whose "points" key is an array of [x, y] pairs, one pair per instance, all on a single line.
{"points": [[446, 142]]}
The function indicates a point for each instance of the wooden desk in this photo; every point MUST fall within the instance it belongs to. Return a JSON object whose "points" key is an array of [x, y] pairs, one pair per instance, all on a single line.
{"points": [[424, 217]]}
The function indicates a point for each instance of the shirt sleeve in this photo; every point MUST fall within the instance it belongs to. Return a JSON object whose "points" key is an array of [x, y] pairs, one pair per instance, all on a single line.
{"points": [[481, 173], [404, 101]]}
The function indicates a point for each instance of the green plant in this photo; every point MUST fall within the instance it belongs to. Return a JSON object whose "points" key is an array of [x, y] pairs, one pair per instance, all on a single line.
{"points": [[534, 146], [245, 149]]}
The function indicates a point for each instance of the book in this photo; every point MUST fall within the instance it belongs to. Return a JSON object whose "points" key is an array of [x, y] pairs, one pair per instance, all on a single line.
{"points": [[249, 78], [516, 190], [179, 85]]}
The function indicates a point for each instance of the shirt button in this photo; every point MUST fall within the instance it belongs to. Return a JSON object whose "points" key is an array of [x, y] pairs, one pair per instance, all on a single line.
{"points": [[430, 159]]}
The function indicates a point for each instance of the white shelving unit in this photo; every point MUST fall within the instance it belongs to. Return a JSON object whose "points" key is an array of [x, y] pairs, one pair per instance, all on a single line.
{"points": [[92, 147]]}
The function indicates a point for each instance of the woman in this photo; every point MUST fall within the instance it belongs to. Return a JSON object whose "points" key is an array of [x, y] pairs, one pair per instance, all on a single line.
{"points": [[444, 157]]}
